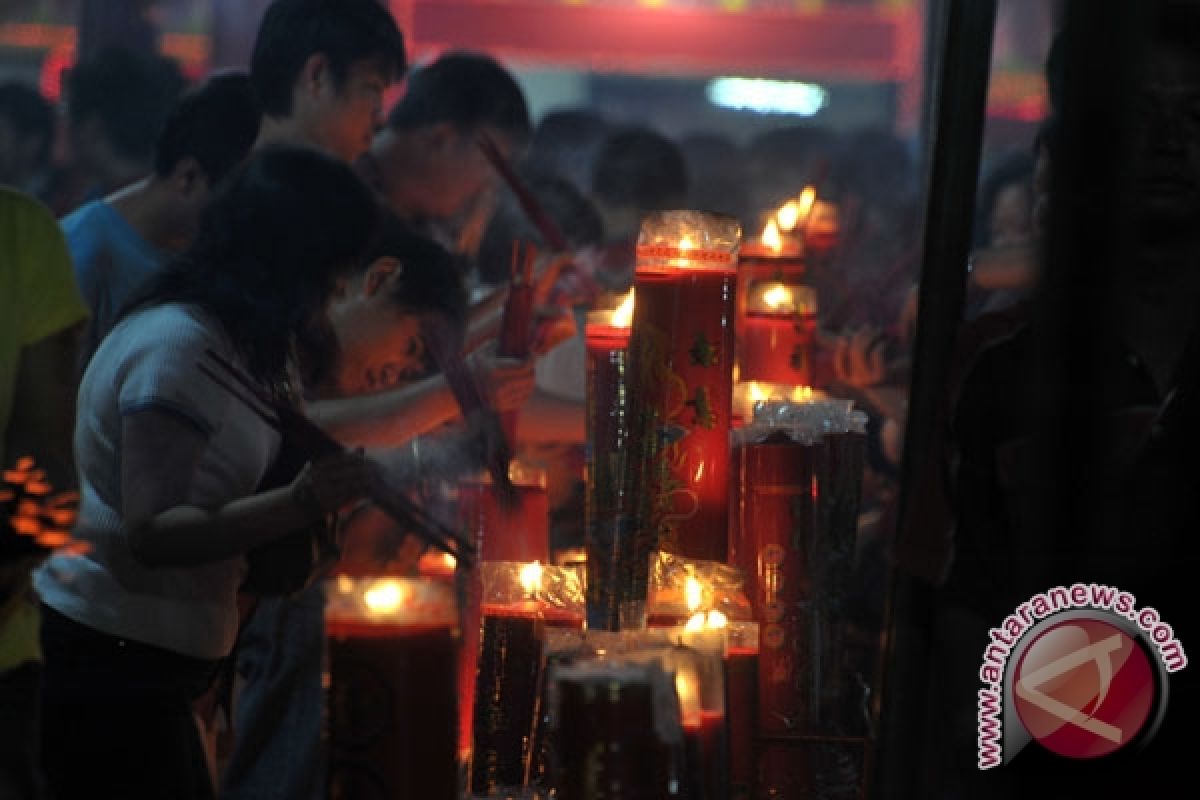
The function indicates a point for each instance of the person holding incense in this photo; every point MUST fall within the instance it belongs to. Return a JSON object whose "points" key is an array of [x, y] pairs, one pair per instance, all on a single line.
{"points": [[426, 162], [170, 463]]}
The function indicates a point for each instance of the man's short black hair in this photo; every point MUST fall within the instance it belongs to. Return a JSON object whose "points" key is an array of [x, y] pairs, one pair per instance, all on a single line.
{"points": [[469, 90], [642, 169], [130, 93], [30, 114], [344, 31], [215, 123]]}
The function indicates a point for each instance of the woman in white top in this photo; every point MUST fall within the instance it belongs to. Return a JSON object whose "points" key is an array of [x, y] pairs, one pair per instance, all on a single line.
{"points": [[170, 467]]}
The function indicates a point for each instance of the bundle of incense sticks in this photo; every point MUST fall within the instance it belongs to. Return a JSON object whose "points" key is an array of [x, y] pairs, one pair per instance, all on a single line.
{"points": [[306, 435], [40, 518], [472, 402], [553, 236], [516, 329], [529, 203]]}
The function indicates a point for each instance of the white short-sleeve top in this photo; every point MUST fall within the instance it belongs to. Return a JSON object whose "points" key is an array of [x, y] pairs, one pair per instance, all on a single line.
{"points": [[149, 361]]}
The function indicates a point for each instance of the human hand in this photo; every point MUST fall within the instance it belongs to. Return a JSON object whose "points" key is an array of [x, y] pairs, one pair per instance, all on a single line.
{"points": [[859, 360], [331, 484], [507, 381], [552, 328]]}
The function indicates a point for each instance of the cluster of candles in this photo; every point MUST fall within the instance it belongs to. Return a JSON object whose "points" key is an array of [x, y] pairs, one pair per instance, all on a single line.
{"points": [[552, 664]]}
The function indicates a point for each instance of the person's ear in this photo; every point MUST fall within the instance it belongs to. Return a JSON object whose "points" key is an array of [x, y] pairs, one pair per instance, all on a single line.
{"points": [[314, 75], [188, 178], [381, 271]]}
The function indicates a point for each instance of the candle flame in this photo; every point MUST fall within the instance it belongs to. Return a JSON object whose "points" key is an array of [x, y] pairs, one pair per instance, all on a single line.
{"points": [[687, 688], [777, 297], [623, 316], [700, 621], [686, 243], [384, 597], [531, 577], [803, 394], [693, 593], [771, 237], [450, 561], [788, 215], [805, 203]]}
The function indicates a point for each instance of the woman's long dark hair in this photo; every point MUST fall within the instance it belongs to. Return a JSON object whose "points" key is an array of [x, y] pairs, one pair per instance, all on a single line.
{"points": [[266, 259]]}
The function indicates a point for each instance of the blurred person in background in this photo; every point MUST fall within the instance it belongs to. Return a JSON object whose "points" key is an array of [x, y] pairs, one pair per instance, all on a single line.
{"points": [[638, 170], [27, 130], [1004, 226], [117, 102], [41, 318], [566, 142], [717, 176], [120, 241], [782, 161], [427, 164]]}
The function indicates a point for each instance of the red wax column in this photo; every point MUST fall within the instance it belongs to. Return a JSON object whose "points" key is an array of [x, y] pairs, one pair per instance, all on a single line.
{"points": [[703, 739], [741, 705], [606, 736], [501, 533], [386, 669], [777, 333], [778, 523], [506, 692], [609, 553], [681, 384]]}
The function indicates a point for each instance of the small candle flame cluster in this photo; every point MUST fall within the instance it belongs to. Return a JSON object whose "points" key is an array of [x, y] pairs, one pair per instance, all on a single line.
{"points": [[41, 519], [803, 221]]}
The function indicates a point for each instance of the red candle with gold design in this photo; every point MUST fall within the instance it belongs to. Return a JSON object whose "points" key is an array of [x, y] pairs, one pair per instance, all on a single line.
{"points": [[680, 385]]}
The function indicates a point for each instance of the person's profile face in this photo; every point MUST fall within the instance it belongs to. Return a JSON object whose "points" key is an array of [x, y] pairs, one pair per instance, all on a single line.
{"points": [[1012, 219], [463, 174], [353, 111], [1167, 138]]}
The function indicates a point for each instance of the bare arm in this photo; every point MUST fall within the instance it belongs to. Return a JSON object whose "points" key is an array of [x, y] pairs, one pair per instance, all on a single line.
{"points": [[160, 454], [550, 418], [389, 418], [484, 320], [43, 410], [392, 418]]}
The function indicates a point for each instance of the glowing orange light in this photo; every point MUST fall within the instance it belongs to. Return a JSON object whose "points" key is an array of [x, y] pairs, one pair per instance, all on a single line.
{"points": [[623, 316], [771, 238]]}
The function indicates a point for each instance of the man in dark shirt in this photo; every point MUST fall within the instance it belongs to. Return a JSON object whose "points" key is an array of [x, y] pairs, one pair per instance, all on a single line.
{"points": [[1136, 472]]}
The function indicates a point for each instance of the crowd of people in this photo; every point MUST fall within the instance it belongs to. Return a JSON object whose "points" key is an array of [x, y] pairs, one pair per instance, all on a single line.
{"points": [[279, 221]]}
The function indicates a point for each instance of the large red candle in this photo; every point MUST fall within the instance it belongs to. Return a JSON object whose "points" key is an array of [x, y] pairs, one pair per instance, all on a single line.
{"points": [[681, 383], [608, 552], [777, 512], [392, 649], [607, 743], [520, 532]]}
